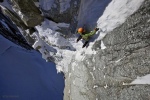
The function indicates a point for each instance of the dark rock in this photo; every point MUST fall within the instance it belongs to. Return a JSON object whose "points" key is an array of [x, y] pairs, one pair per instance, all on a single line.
{"points": [[10, 31], [30, 14]]}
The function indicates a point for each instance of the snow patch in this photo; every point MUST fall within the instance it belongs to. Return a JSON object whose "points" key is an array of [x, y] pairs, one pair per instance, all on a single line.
{"points": [[142, 80], [69, 91], [104, 76], [69, 75], [46, 4], [79, 56], [120, 59], [73, 82], [64, 5], [116, 13], [74, 64], [102, 45], [95, 86], [106, 86], [48, 31], [94, 68]]}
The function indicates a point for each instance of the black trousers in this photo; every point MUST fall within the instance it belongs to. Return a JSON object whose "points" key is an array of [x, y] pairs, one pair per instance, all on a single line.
{"points": [[86, 42], [79, 38]]}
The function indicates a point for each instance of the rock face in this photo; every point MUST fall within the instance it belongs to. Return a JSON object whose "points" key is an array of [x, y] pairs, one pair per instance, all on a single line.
{"points": [[69, 14], [26, 20], [62, 16], [14, 17], [10, 31], [106, 75], [26, 15], [28, 12]]}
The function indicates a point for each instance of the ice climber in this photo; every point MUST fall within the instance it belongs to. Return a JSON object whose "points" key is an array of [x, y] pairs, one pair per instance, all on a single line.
{"points": [[85, 35]]}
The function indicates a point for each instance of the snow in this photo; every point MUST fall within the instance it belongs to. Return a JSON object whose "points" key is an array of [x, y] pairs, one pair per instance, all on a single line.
{"points": [[6, 4], [27, 76], [116, 13], [74, 64], [30, 76], [92, 75], [69, 91], [73, 82], [105, 14], [94, 68], [69, 75], [104, 76], [48, 4], [50, 40], [142, 80], [120, 59], [48, 30], [106, 86], [64, 5], [102, 45], [95, 86], [79, 56]]}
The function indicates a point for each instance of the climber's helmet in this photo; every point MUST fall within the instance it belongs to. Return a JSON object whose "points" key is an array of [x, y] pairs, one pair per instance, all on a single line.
{"points": [[81, 30]]}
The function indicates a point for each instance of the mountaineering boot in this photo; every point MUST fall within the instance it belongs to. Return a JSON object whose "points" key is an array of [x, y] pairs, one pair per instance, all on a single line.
{"points": [[79, 38], [96, 29], [85, 44]]}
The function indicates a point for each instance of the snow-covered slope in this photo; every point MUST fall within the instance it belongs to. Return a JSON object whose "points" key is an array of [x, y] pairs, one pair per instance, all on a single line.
{"points": [[108, 74], [105, 14]]}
